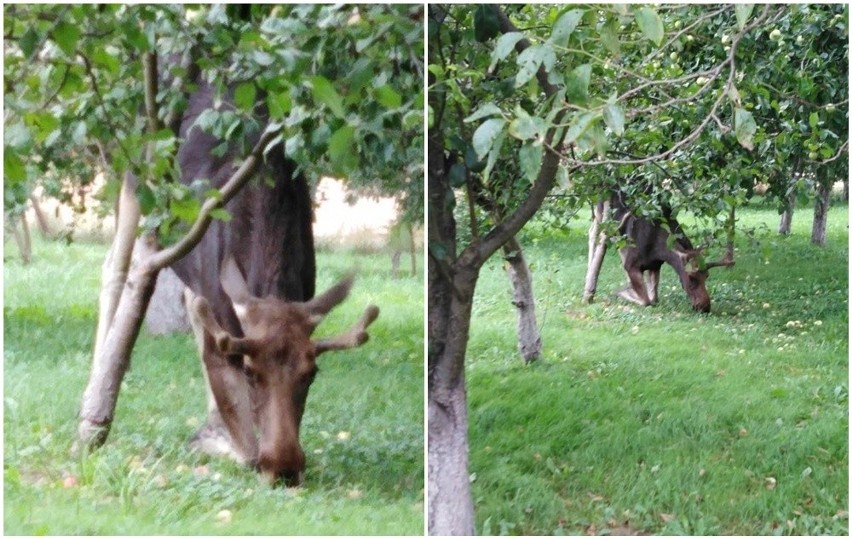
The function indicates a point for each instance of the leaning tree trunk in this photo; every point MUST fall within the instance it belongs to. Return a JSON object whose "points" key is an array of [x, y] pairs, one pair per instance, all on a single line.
{"points": [[112, 358], [821, 205], [41, 218], [529, 338], [22, 237], [597, 250]]}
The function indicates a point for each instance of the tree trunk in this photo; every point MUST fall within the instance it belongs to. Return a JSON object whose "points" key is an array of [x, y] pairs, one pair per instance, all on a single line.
{"points": [[787, 215], [413, 250], [845, 190], [451, 285], [597, 251], [117, 262], [21, 230], [821, 205], [41, 218], [529, 338], [113, 356], [166, 311]]}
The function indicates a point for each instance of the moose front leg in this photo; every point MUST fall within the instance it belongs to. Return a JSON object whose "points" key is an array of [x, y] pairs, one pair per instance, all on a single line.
{"points": [[213, 437], [635, 290]]}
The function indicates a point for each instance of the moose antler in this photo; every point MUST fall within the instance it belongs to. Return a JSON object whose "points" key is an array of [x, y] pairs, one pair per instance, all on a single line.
{"points": [[726, 261], [356, 336]]}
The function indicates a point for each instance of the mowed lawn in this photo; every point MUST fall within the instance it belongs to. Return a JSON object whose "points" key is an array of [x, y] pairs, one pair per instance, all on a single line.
{"points": [[659, 420], [362, 430]]}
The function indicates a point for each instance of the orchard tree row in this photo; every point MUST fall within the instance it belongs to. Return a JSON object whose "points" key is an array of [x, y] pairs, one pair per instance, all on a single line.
{"points": [[686, 107]]}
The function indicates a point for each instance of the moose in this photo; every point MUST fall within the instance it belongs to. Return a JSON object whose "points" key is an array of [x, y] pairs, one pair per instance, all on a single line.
{"points": [[652, 242], [249, 284]]}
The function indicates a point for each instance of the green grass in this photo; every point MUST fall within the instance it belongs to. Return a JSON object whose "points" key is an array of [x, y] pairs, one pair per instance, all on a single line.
{"points": [[659, 420], [144, 480]]}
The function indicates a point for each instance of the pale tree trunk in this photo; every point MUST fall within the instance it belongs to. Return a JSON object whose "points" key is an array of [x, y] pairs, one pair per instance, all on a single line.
{"points": [[529, 338], [450, 499], [412, 250], [821, 205], [21, 229], [117, 262], [786, 221], [41, 218], [597, 250], [113, 356]]}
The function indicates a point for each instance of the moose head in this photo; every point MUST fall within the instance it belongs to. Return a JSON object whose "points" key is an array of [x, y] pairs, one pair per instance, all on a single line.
{"points": [[279, 357], [694, 275]]}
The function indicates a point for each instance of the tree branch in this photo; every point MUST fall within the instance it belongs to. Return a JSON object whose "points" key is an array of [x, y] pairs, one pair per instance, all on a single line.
{"points": [[239, 178]]}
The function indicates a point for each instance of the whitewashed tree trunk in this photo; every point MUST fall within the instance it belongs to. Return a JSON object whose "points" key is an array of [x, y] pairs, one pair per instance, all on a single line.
{"points": [[822, 203], [787, 216], [21, 230], [529, 338], [597, 251]]}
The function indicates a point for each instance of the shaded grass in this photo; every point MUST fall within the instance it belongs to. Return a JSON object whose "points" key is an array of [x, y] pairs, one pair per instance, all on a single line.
{"points": [[362, 431], [659, 420]]}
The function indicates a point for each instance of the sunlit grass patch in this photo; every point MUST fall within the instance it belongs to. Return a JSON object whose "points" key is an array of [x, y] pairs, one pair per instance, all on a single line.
{"points": [[144, 480], [659, 420]]}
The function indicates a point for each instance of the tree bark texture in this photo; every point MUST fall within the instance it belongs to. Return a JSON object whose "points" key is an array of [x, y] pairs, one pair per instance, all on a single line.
{"points": [[597, 251], [529, 338], [821, 205]]}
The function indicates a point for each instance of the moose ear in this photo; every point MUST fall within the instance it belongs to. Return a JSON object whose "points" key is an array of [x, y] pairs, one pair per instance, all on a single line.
{"points": [[225, 342], [233, 282]]}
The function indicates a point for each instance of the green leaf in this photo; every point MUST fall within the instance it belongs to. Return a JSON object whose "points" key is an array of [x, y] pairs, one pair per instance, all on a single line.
{"points": [[325, 94], [505, 45], [526, 127], [743, 12], [528, 63], [244, 95], [486, 110], [745, 128], [577, 84], [609, 38], [185, 210], [485, 24], [486, 134], [221, 214], [29, 41], [13, 168], [565, 26], [279, 104], [340, 145], [457, 175], [650, 24], [580, 125], [813, 120], [529, 159], [147, 200], [614, 118], [388, 97], [66, 36]]}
